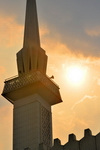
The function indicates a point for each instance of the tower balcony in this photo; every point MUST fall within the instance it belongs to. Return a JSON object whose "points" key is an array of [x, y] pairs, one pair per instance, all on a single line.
{"points": [[34, 82]]}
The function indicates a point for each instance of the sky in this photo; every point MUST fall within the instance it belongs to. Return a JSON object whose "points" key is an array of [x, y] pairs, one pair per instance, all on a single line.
{"points": [[70, 35]]}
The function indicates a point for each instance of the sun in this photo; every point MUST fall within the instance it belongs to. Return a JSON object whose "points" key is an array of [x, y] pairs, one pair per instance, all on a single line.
{"points": [[76, 75]]}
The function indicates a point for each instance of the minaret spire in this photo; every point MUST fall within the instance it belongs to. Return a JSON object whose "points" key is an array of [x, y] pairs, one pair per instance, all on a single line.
{"points": [[31, 57], [31, 32]]}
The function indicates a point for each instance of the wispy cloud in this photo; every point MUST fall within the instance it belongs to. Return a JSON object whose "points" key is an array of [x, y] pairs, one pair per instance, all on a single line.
{"points": [[93, 32], [84, 98]]}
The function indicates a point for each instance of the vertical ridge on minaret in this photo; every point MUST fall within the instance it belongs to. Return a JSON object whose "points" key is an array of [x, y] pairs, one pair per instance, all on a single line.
{"points": [[31, 32]]}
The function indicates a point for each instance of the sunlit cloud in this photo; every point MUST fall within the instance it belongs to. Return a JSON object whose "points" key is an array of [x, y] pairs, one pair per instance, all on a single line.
{"points": [[87, 109], [5, 126], [93, 32], [2, 73], [2, 70], [55, 46], [84, 98], [98, 82], [1, 146], [44, 31], [10, 31]]}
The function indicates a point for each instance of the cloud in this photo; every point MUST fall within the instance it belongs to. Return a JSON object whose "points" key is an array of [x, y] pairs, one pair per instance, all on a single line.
{"points": [[2, 74], [2, 70], [1, 146], [84, 114], [13, 8], [6, 126], [44, 31], [73, 21], [10, 32], [83, 99], [94, 32], [87, 111], [98, 82]]}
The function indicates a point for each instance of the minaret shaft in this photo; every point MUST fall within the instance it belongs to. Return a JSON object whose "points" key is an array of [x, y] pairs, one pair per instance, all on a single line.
{"points": [[32, 123]]}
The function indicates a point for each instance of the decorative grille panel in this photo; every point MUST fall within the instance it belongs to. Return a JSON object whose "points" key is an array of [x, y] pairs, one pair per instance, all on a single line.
{"points": [[46, 127]]}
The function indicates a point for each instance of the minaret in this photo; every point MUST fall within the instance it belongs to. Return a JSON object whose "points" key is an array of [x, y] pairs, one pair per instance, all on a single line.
{"points": [[32, 92]]}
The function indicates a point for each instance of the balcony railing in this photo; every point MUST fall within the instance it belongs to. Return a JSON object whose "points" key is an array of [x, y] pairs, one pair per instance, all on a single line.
{"points": [[26, 79]]}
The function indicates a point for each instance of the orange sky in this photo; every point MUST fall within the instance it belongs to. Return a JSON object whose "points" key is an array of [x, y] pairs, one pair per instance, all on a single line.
{"points": [[80, 107]]}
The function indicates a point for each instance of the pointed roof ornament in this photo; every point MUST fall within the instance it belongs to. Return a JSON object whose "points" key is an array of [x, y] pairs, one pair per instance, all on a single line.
{"points": [[31, 57], [31, 31]]}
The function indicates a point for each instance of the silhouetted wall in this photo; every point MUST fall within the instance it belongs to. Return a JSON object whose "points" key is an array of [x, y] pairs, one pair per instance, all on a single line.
{"points": [[88, 142]]}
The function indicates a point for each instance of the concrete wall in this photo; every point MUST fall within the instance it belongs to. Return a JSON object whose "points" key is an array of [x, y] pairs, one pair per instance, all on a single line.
{"points": [[88, 142]]}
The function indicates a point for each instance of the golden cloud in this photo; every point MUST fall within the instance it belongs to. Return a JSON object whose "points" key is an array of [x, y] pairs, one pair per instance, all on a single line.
{"points": [[1, 146], [10, 31], [43, 30], [2, 70], [6, 127]]}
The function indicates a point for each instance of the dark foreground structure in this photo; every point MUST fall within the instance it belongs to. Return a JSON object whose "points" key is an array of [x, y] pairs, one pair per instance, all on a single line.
{"points": [[88, 142], [32, 94]]}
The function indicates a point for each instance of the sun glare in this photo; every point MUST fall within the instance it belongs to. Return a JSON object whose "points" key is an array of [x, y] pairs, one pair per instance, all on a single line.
{"points": [[75, 74]]}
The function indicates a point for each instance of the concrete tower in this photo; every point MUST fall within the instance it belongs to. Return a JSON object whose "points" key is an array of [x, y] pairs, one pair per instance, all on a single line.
{"points": [[32, 92]]}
